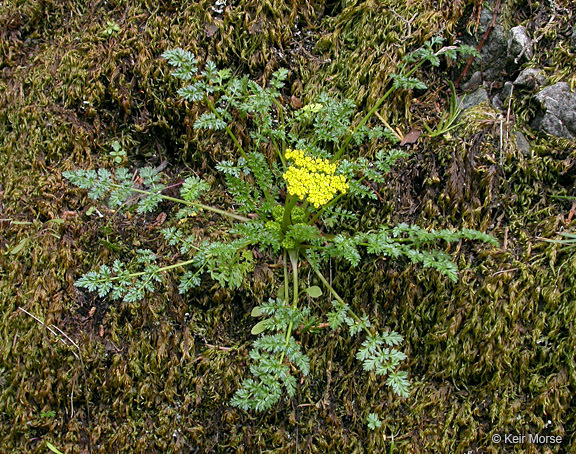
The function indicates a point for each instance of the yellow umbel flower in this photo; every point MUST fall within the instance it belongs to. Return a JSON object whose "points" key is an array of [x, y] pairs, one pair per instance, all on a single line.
{"points": [[313, 179]]}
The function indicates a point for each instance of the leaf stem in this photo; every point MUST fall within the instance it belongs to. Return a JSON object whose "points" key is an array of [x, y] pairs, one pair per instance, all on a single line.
{"points": [[288, 207], [293, 255], [370, 113], [141, 273], [329, 204], [228, 130], [331, 289], [334, 293], [286, 283], [379, 348], [194, 204]]}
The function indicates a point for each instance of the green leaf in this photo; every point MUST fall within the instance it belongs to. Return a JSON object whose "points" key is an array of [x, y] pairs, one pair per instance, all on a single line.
{"points": [[407, 83], [53, 448], [339, 316], [256, 312], [192, 188], [209, 120], [178, 57], [345, 247], [280, 295], [149, 175], [188, 281], [373, 421], [391, 338], [303, 233], [399, 383], [260, 327], [184, 61], [194, 92], [149, 203], [20, 246], [314, 291]]}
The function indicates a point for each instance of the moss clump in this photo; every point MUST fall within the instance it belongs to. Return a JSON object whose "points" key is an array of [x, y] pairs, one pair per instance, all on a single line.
{"points": [[492, 353]]}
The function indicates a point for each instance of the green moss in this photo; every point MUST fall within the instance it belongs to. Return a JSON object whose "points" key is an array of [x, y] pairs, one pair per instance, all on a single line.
{"points": [[493, 353]]}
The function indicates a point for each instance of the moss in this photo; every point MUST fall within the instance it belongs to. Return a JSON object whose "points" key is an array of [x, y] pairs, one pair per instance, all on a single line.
{"points": [[492, 353]]}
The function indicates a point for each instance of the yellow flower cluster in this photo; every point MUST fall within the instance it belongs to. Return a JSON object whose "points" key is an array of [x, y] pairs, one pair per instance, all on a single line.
{"points": [[313, 178]]}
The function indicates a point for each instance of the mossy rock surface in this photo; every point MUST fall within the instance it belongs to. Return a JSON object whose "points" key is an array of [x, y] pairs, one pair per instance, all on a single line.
{"points": [[490, 354]]}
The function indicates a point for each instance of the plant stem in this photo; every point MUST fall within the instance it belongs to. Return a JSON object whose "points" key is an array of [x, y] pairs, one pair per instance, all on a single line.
{"points": [[279, 152], [228, 130], [331, 203], [161, 269], [369, 115], [283, 121], [193, 204], [280, 112], [293, 255], [288, 207], [286, 284]]}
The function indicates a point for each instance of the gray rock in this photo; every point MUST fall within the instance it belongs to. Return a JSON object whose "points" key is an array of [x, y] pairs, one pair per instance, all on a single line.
{"points": [[522, 143], [558, 111], [505, 49], [520, 45], [473, 83], [530, 78], [494, 53], [507, 90], [497, 102], [474, 98]]}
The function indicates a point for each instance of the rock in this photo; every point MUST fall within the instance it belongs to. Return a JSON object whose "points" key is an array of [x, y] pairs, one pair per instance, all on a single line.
{"points": [[494, 52], [474, 98], [520, 45], [504, 50], [473, 83], [530, 78], [497, 102], [522, 143], [507, 90], [558, 111]]}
